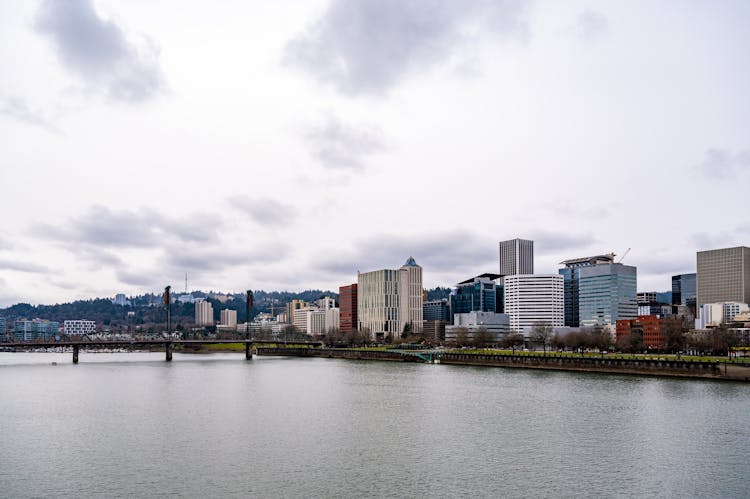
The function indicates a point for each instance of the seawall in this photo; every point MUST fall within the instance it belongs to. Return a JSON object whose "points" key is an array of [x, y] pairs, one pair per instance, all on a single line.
{"points": [[649, 367]]}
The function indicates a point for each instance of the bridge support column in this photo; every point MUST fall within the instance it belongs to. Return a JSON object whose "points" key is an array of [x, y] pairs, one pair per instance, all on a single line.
{"points": [[168, 349], [248, 350], [75, 354]]}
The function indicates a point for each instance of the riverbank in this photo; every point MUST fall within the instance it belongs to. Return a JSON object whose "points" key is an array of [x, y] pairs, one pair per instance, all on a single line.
{"points": [[683, 368]]}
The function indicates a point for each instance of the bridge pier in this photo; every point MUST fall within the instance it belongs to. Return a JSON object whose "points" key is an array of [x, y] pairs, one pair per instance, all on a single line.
{"points": [[168, 350], [75, 354], [248, 351]]}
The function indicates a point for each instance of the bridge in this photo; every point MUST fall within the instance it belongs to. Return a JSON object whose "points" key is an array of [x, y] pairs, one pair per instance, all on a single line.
{"points": [[166, 343], [428, 356]]}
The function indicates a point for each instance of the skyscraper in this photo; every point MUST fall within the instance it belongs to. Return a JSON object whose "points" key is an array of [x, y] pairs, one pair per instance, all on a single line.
{"points": [[607, 293], [389, 300], [516, 257], [572, 275], [723, 276]]}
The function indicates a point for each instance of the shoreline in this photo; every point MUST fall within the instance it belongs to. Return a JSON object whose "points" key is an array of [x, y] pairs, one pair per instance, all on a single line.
{"points": [[664, 368]]}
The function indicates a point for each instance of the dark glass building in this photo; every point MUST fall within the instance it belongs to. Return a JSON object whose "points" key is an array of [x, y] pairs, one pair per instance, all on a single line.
{"points": [[436, 310], [683, 291], [478, 294]]}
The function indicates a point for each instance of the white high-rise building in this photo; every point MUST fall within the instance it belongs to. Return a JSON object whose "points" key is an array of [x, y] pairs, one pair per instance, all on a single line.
{"points": [[531, 298], [300, 320], [228, 317], [204, 314], [389, 300], [516, 257]]}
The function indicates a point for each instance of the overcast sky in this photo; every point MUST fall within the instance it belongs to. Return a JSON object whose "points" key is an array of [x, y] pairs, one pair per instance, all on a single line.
{"points": [[288, 144]]}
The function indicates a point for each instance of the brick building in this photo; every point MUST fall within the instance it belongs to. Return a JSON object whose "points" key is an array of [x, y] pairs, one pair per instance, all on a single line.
{"points": [[348, 308], [653, 329]]}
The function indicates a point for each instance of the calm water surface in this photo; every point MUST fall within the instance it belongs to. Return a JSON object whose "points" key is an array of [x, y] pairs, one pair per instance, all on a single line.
{"points": [[216, 425]]}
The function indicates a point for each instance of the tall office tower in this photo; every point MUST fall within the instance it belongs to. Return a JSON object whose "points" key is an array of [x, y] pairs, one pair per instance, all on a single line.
{"points": [[389, 300], [571, 274], [607, 293], [348, 308], [516, 257], [723, 276], [683, 291], [531, 298], [3, 329], [204, 314]]}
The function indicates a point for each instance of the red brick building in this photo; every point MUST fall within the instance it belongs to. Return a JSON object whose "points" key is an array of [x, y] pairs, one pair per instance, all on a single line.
{"points": [[651, 327], [348, 308]]}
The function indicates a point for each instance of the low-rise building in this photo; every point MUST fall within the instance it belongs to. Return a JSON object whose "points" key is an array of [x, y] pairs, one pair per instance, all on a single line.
{"points": [[716, 314], [497, 325], [27, 330], [79, 327], [654, 330]]}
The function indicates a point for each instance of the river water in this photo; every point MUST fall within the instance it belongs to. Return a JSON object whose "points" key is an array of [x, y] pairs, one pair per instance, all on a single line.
{"points": [[216, 425]]}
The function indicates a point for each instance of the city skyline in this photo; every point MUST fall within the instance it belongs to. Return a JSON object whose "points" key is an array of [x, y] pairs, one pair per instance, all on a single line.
{"points": [[260, 150]]}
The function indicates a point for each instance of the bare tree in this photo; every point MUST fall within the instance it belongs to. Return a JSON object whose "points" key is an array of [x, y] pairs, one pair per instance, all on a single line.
{"points": [[462, 337], [512, 340], [482, 337], [542, 333]]}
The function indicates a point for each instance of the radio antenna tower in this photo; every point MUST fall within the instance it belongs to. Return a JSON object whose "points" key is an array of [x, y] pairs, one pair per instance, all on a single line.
{"points": [[185, 282]]}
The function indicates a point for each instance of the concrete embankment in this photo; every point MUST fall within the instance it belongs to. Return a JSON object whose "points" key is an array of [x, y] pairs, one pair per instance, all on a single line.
{"points": [[604, 364], [334, 353]]}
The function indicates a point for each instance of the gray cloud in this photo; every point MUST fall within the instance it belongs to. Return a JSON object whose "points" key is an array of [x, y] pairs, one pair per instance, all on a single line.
{"points": [[98, 51], [18, 266], [721, 163], [448, 252], [264, 211], [141, 279], [199, 262], [662, 264], [721, 238], [365, 47], [591, 26], [97, 258], [17, 108], [103, 227], [345, 147], [546, 242]]}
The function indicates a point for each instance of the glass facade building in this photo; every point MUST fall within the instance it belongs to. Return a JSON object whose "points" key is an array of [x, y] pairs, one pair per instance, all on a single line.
{"points": [[436, 310], [26, 330], [479, 294], [607, 293], [683, 290], [571, 283]]}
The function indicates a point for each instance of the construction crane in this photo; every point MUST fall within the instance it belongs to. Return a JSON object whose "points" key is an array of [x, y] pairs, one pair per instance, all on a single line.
{"points": [[624, 255]]}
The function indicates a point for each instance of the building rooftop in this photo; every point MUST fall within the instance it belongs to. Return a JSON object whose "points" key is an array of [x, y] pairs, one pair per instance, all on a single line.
{"points": [[410, 262], [589, 260], [487, 275]]}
